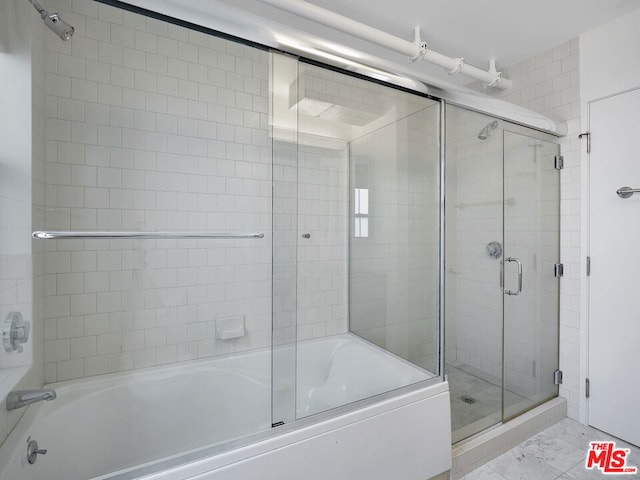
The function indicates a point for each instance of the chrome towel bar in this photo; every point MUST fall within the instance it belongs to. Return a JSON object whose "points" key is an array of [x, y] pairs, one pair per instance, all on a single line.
{"points": [[104, 235]]}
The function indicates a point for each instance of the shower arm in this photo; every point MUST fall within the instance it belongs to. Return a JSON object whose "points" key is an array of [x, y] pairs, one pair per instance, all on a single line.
{"points": [[53, 22], [416, 50], [39, 8]]}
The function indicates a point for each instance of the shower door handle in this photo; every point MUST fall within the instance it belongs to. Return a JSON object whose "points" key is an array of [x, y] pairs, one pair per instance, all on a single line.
{"points": [[519, 264]]}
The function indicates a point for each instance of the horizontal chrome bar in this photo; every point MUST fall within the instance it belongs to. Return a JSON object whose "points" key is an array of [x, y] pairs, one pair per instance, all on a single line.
{"points": [[626, 192], [104, 235]]}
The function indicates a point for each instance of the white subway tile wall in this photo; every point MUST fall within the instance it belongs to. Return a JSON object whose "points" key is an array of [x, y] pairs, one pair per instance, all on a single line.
{"points": [[152, 127], [322, 258]]}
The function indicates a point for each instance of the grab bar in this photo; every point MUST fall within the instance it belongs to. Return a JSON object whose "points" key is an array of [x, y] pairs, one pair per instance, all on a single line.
{"points": [[626, 192], [62, 235]]}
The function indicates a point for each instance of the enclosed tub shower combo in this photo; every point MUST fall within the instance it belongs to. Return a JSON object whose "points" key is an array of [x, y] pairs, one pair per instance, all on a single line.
{"points": [[244, 263]]}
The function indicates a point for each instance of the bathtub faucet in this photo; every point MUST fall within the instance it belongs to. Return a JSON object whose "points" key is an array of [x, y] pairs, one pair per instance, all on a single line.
{"points": [[22, 398]]}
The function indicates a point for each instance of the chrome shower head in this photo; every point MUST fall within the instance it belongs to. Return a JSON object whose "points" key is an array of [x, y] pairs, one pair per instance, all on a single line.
{"points": [[57, 25], [54, 22], [484, 133]]}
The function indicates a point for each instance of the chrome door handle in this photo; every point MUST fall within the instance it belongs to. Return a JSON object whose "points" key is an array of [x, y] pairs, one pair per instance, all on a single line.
{"points": [[519, 264], [626, 192]]}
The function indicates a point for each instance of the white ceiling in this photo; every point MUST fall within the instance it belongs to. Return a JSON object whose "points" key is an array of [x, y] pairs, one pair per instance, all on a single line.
{"points": [[478, 30], [507, 30]]}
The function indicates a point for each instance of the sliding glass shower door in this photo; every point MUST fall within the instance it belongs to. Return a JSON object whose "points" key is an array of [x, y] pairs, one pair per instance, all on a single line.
{"points": [[356, 199]]}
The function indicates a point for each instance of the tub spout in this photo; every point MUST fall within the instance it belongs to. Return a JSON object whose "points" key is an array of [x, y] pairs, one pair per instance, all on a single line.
{"points": [[22, 398]]}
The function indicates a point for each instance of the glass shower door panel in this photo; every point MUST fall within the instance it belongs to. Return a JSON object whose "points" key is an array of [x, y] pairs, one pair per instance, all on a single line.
{"points": [[367, 198], [394, 238], [284, 132], [474, 307], [532, 248]]}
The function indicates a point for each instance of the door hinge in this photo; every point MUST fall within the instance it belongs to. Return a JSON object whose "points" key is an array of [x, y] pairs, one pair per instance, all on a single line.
{"points": [[558, 270], [557, 377], [587, 387], [588, 266], [588, 135], [559, 162], [277, 424]]}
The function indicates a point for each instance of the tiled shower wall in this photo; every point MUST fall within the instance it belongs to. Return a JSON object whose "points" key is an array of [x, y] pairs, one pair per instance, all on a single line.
{"points": [[322, 258], [152, 127], [310, 274]]}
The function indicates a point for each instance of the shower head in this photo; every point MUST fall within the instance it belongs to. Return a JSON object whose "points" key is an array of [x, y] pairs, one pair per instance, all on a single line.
{"points": [[57, 25], [54, 22], [484, 133]]}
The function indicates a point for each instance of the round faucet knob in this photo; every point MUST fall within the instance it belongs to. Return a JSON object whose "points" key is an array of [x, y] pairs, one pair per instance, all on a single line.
{"points": [[33, 451]]}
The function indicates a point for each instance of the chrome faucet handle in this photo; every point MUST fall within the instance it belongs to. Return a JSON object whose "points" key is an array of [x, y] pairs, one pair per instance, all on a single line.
{"points": [[33, 451], [15, 332]]}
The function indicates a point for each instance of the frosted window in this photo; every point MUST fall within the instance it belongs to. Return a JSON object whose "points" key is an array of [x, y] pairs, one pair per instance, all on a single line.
{"points": [[361, 205], [362, 201]]}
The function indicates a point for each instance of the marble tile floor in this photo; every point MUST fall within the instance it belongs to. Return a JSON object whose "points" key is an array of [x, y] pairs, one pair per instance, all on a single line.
{"points": [[559, 452]]}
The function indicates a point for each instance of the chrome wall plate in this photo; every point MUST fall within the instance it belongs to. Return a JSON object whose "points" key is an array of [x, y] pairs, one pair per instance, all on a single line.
{"points": [[15, 332]]}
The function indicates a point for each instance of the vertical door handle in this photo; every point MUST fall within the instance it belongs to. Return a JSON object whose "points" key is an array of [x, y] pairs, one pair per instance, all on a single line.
{"points": [[519, 264]]}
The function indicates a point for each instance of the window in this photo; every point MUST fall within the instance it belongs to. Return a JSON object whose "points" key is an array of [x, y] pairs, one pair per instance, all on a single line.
{"points": [[361, 202]]}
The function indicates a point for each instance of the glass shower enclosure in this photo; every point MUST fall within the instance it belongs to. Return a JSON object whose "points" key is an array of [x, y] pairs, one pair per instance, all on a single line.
{"points": [[277, 224], [356, 236], [230, 229], [502, 247]]}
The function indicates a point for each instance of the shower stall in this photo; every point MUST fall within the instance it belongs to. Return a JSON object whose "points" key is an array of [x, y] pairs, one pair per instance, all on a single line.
{"points": [[502, 259], [245, 262]]}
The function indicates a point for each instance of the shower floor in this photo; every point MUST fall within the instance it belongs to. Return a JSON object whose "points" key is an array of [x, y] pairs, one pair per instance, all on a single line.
{"points": [[476, 404]]}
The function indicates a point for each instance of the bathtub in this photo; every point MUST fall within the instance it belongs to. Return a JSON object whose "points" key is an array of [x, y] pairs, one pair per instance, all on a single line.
{"points": [[356, 419]]}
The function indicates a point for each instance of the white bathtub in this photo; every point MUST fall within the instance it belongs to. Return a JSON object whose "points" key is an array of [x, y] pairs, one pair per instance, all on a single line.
{"points": [[140, 424]]}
